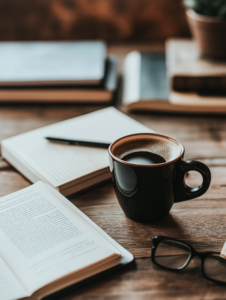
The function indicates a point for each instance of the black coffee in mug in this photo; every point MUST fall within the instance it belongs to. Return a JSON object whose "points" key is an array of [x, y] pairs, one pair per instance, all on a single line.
{"points": [[143, 157], [148, 175]]}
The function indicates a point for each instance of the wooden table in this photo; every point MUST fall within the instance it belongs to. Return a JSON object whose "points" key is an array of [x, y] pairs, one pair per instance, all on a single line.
{"points": [[201, 222]]}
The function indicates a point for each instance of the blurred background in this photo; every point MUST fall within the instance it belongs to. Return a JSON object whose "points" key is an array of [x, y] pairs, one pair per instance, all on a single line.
{"points": [[111, 20]]}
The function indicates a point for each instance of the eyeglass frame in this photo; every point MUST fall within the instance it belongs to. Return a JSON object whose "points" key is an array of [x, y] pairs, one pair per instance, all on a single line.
{"points": [[156, 240]]}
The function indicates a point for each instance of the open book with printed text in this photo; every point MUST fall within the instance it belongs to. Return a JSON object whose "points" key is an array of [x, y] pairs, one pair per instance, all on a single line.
{"points": [[47, 244]]}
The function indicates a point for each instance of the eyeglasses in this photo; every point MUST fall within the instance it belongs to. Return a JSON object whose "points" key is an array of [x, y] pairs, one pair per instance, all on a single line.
{"points": [[172, 254]]}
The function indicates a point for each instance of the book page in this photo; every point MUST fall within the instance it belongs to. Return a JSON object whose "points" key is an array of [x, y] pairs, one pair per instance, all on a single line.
{"points": [[10, 288], [60, 163], [43, 239]]}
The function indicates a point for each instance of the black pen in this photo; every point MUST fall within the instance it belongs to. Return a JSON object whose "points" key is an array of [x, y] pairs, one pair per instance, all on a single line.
{"points": [[78, 142]]}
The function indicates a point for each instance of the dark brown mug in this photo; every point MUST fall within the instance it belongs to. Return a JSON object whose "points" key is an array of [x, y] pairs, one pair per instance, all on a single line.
{"points": [[146, 192]]}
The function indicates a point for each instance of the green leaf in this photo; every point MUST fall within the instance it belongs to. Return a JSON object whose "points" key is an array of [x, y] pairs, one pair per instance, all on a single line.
{"points": [[215, 8]]}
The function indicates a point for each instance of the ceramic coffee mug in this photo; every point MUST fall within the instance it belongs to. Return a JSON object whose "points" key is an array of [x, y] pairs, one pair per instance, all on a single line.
{"points": [[146, 191]]}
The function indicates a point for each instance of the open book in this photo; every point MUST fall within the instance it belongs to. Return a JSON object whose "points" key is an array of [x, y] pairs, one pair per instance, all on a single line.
{"points": [[146, 87], [48, 244], [68, 168]]}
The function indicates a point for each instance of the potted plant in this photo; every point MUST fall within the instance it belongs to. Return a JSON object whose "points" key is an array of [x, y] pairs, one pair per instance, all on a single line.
{"points": [[207, 21]]}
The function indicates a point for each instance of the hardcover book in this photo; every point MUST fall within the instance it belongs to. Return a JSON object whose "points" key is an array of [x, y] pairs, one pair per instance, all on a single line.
{"points": [[51, 63], [57, 72], [188, 71], [101, 93]]}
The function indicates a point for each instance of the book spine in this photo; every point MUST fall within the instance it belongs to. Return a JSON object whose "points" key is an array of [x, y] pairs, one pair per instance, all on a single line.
{"points": [[195, 84]]}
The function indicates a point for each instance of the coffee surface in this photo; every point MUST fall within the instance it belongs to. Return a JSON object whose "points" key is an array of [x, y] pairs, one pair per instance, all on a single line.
{"points": [[167, 150], [143, 158]]}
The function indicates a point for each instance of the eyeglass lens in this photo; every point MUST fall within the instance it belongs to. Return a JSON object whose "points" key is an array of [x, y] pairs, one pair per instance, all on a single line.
{"points": [[172, 254], [215, 267]]}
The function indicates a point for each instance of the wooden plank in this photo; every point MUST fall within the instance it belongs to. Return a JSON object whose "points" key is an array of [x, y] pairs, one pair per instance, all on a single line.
{"points": [[145, 281], [11, 181]]}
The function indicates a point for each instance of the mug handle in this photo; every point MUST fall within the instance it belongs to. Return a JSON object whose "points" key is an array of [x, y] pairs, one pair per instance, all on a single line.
{"points": [[183, 191]]}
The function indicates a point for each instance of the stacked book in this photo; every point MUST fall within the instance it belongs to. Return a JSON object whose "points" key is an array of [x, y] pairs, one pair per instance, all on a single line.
{"points": [[56, 72], [177, 81]]}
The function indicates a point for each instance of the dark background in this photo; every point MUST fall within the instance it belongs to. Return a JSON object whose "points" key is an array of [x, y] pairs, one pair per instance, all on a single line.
{"points": [[111, 20]]}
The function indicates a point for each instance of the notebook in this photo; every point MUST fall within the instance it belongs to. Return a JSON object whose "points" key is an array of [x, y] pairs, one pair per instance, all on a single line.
{"points": [[55, 63], [102, 92], [68, 168], [58, 247], [190, 72], [146, 87]]}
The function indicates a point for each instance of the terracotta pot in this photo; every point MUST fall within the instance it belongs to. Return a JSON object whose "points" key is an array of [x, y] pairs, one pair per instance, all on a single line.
{"points": [[210, 34]]}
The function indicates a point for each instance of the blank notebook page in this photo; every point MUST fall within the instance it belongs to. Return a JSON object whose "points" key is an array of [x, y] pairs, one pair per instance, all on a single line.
{"points": [[60, 163]]}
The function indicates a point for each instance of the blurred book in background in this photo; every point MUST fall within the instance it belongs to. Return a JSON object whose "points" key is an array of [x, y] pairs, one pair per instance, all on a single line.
{"points": [[56, 72], [148, 84], [190, 72]]}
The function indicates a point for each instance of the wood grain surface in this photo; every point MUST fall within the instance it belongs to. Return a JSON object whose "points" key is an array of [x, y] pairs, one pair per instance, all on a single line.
{"points": [[201, 222]]}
